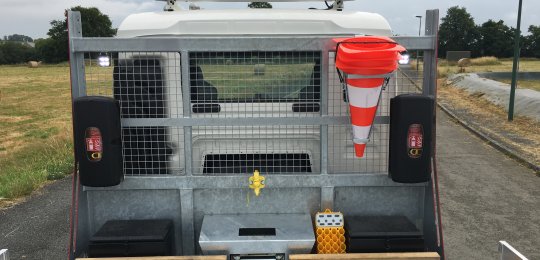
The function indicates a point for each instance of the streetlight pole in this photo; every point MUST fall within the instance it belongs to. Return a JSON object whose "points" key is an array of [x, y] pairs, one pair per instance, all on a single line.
{"points": [[417, 51], [515, 66]]}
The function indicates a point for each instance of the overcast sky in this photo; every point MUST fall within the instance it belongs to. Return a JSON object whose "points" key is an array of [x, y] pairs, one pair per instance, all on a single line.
{"points": [[32, 17]]}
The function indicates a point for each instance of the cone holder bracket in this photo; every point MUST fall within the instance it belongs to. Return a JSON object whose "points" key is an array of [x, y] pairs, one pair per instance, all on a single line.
{"points": [[356, 76]]}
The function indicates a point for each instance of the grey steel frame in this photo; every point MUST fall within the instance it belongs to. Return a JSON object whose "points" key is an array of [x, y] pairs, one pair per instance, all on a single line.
{"points": [[183, 187]]}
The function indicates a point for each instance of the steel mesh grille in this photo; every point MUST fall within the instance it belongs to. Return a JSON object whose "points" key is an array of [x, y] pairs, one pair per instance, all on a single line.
{"points": [[152, 150], [146, 85], [232, 85], [243, 149], [340, 146], [255, 84], [98, 79]]}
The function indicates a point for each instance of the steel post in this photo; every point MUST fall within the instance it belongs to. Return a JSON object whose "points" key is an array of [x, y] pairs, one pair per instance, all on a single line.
{"points": [[417, 51], [515, 66]]}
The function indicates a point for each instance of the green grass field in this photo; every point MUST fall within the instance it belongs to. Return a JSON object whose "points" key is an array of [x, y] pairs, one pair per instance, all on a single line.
{"points": [[504, 65], [35, 128], [487, 64], [240, 82]]}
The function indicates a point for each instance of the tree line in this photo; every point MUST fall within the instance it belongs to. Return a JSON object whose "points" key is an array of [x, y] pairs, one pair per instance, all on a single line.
{"points": [[54, 49], [13, 52], [459, 32]]}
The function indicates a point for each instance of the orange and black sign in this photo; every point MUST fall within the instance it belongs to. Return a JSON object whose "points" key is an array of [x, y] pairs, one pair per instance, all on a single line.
{"points": [[415, 141]]}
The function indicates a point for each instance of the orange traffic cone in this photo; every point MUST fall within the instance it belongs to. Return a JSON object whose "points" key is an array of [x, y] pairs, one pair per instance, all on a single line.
{"points": [[366, 62]]}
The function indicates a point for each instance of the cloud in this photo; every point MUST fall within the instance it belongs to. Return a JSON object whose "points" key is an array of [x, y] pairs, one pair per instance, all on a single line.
{"points": [[32, 17]]}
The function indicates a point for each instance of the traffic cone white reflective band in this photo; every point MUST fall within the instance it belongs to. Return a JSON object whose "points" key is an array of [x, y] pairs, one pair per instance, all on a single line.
{"points": [[363, 102], [360, 143], [359, 131], [363, 97]]}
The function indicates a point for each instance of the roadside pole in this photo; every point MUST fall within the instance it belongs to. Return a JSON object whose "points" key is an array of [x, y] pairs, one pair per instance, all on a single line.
{"points": [[515, 66]]}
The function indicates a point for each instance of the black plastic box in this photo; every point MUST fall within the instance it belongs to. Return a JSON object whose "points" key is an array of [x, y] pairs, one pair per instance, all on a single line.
{"points": [[98, 142], [118, 238], [411, 134], [377, 234]]}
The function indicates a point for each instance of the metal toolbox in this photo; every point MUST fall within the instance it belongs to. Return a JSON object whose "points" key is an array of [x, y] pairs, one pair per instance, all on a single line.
{"points": [[265, 235]]}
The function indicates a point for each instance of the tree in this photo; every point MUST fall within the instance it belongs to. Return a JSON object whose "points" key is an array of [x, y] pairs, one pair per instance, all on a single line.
{"points": [[2, 59], [259, 5], [531, 42], [18, 38], [50, 51], [458, 32], [497, 39], [94, 24], [13, 53]]}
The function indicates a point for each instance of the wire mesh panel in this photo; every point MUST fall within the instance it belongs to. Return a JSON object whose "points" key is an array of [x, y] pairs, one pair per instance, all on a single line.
{"points": [[146, 85], [99, 74], [255, 84], [152, 150], [243, 149], [341, 153]]}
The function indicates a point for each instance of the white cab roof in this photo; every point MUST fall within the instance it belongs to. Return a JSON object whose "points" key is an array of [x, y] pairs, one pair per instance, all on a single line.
{"points": [[254, 22]]}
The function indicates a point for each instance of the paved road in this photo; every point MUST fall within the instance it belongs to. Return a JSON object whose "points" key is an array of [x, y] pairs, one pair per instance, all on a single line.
{"points": [[39, 227], [485, 196]]}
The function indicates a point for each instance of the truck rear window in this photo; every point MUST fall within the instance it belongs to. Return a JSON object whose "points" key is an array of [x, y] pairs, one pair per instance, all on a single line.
{"points": [[255, 76]]}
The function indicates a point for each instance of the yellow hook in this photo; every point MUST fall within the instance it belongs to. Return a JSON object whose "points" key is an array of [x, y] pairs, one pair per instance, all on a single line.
{"points": [[256, 182]]}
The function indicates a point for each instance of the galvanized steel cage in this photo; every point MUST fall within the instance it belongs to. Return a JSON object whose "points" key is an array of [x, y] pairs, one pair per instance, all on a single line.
{"points": [[199, 114]]}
